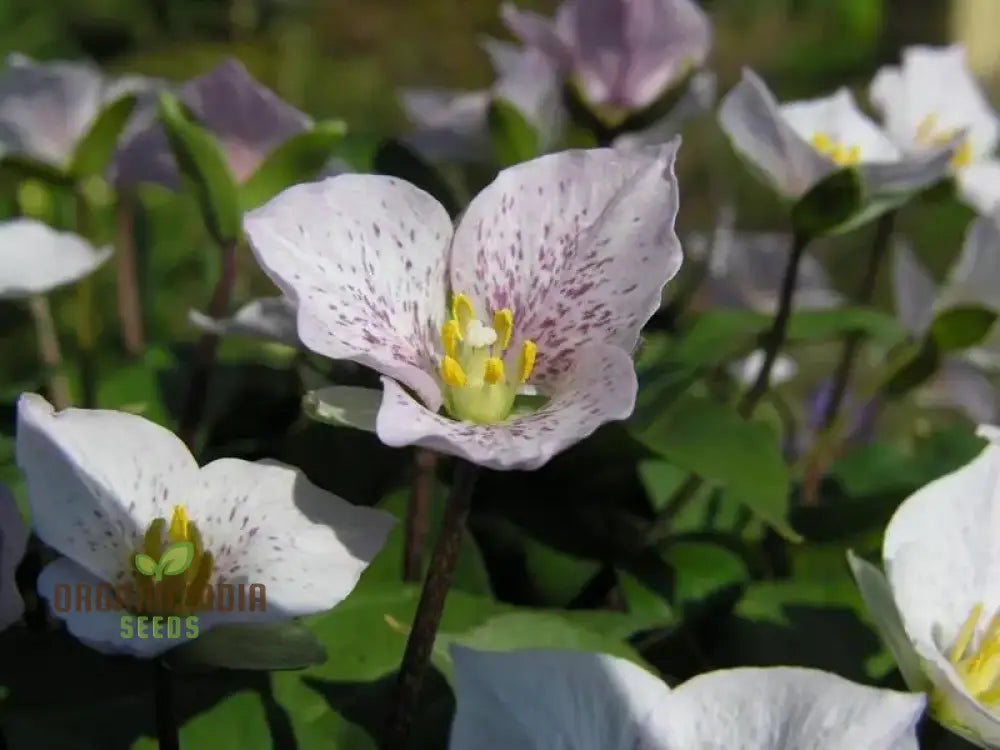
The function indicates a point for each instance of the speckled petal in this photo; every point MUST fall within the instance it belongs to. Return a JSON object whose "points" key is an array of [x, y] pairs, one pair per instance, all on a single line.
{"points": [[579, 245], [13, 541], [35, 259], [46, 108], [101, 631], [266, 523], [751, 117], [600, 388], [364, 258], [268, 318], [96, 478], [628, 53], [547, 699], [784, 708]]}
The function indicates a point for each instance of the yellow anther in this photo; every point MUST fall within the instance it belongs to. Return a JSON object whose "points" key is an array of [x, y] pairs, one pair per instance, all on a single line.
{"points": [[452, 373], [179, 525], [152, 542], [821, 142], [503, 324], [461, 311], [853, 155], [526, 362], [926, 128], [965, 635], [494, 371], [963, 156], [450, 336]]}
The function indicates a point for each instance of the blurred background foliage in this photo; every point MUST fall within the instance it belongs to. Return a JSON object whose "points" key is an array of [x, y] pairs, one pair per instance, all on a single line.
{"points": [[726, 591]]}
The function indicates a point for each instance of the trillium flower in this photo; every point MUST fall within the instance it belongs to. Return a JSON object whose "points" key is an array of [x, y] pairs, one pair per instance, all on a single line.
{"points": [[47, 108], [793, 146], [105, 486], [962, 381], [936, 605], [454, 125], [551, 273], [13, 543], [542, 699], [268, 318], [621, 54], [249, 120], [933, 98], [35, 259], [698, 98]]}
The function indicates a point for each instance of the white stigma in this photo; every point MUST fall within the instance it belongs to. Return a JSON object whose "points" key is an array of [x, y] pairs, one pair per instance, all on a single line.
{"points": [[478, 335]]}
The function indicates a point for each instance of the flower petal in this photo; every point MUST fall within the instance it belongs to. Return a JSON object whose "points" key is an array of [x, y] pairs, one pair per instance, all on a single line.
{"points": [[600, 387], [752, 119], [578, 245], [838, 117], [975, 277], [451, 125], [364, 259], [544, 699], [940, 550], [785, 708], [888, 622], [13, 542], [745, 370], [913, 288], [268, 318], [346, 405], [934, 81], [96, 478], [266, 523], [961, 385], [35, 259], [101, 631], [537, 32], [966, 716], [533, 85], [46, 108], [979, 185], [698, 98]]}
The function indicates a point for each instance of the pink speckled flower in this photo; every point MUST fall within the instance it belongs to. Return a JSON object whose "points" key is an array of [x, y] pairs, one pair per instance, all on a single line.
{"points": [[552, 272], [623, 54], [249, 120]]}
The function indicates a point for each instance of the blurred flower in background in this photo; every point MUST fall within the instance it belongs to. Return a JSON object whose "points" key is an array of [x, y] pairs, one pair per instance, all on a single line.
{"points": [[35, 258]]}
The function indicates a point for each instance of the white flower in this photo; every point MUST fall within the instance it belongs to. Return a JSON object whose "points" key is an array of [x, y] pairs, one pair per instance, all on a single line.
{"points": [[552, 271], [545, 699], [35, 259], [267, 318], [937, 605], [13, 541], [795, 145], [932, 98], [106, 485], [745, 370], [47, 108], [698, 98]]}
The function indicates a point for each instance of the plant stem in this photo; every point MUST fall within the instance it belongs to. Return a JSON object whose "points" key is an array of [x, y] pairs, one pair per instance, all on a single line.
{"points": [[425, 464], [48, 350], [166, 722], [204, 356], [129, 305], [420, 643], [779, 329], [852, 342]]}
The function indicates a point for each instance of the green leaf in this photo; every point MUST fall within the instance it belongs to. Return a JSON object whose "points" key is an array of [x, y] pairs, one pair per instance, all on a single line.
{"points": [[299, 159], [703, 569], [284, 645], [15, 168], [94, 151], [176, 559], [961, 327], [145, 564], [919, 364], [514, 138], [202, 162], [830, 203], [239, 720], [713, 441]]}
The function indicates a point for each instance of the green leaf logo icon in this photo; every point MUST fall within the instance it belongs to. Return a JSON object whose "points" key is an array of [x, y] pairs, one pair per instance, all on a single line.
{"points": [[175, 560]]}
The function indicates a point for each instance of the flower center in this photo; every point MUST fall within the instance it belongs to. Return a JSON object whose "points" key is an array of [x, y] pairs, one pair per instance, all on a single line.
{"points": [[835, 151], [979, 667], [476, 361], [183, 568], [929, 135]]}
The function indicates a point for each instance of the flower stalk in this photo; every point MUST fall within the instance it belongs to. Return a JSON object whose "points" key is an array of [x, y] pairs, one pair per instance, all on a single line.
{"points": [[425, 465], [166, 721], [48, 350]]}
